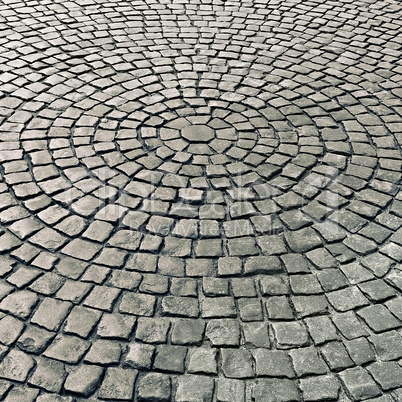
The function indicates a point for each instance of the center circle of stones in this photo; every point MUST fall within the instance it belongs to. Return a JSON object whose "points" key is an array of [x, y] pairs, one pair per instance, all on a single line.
{"points": [[227, 165]]}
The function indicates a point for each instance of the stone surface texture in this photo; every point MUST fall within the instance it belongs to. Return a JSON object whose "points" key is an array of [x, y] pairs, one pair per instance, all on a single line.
{"points": [[200, 200]]}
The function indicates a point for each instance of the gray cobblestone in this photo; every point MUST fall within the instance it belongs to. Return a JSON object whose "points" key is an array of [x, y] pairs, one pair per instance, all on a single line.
{"points": [[194, 387], [188, 332], [170, 358], [347, 299], [387, 345], [118, 384], [152, 330], [103, 352], [180, 306], [359, 383], [225, 308], [200, 191], [225, 332], [84, 381], [272, 389], [387, 374], [49, 375], [237, 363], [51, 313], [230, 390], [19, 393], [320, 388], [138, 304], [10, 330], [139, 356], [154, 387], [35, 339], [379, 318], [102, 297], [68, 349], [16, 366], [336, 356], [360, 350], [115, 326], [203, 361], [273, 363], [19, 303], [256, 334], [290, 334], [321, 329]]}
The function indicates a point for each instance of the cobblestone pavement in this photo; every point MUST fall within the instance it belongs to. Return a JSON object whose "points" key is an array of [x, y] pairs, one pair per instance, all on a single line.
{"points": [[200, 200]]}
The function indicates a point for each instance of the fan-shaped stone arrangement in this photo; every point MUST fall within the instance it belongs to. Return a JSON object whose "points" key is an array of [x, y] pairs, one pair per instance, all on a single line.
{"points": [[200, 201]]}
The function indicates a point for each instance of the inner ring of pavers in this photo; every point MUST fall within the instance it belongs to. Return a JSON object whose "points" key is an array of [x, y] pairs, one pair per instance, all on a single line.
{"points": [[235, 166], [209, 136], [200, 138]]}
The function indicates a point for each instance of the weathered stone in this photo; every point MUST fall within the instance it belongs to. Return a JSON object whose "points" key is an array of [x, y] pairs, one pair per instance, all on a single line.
{"points": [[118, 384], [84, 381], [16, 366]]}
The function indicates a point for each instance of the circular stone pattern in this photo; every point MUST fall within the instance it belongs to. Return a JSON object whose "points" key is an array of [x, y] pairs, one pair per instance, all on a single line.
{"points": [[201, 201], [197, 133]]}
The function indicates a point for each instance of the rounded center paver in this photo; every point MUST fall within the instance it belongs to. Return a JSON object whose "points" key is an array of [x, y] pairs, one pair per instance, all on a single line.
{"points": [[198, 133]]}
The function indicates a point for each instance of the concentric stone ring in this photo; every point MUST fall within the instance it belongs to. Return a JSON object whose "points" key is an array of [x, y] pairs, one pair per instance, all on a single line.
{"points": [[200, 201]]}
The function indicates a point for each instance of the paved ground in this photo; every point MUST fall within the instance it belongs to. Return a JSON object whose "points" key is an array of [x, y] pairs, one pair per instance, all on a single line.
{"points": [[200, 200]]}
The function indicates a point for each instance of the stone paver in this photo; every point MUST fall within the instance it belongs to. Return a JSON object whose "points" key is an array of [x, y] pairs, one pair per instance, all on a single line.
{"points": [[200, 201]]}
